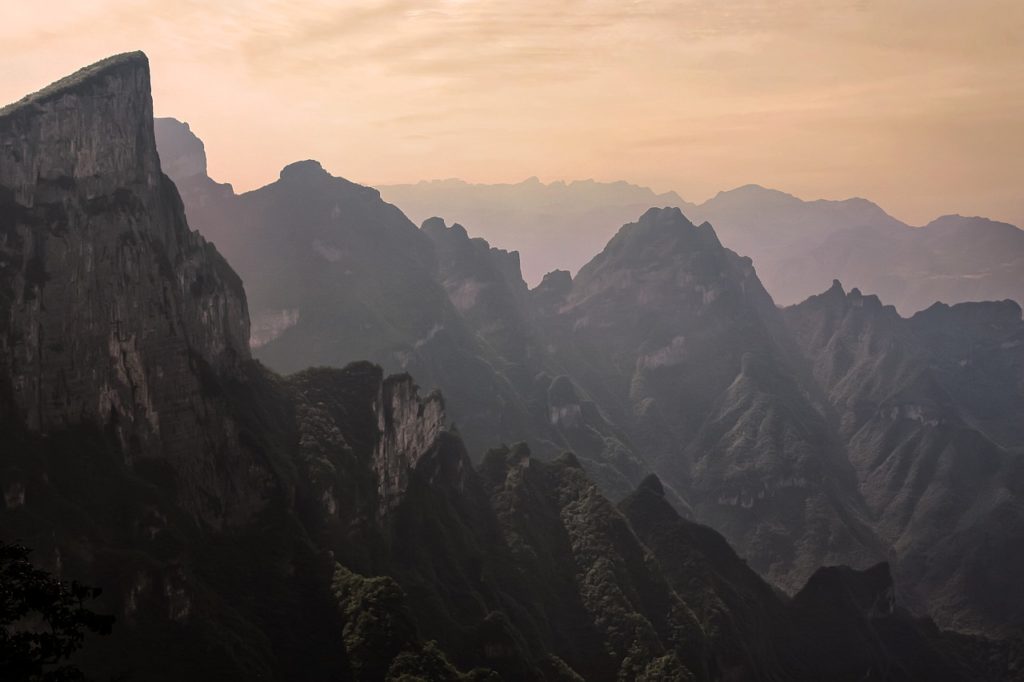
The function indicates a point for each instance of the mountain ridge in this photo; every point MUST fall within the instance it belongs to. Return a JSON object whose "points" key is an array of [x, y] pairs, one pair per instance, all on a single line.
{"points": [[373, 549]]}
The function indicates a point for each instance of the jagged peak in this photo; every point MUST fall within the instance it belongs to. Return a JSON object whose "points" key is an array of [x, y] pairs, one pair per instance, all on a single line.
{"points": [[556, 279], [666, 214], [436, 226], [80, 80], [652, 483], [836, 297], [666, 223]]}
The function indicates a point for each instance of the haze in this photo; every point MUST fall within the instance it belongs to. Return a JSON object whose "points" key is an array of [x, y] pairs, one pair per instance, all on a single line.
{"points": [[916, 104]]}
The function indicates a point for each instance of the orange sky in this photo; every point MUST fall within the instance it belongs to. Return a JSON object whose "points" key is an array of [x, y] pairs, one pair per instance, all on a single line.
{"points": [[916, 104]]}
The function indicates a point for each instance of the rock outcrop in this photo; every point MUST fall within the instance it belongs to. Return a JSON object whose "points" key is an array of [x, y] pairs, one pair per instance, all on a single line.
{"points": [[325, 525], [114, 312]]}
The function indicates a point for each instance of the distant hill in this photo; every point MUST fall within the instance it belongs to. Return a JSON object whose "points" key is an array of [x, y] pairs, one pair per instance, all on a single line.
{"points": [[553, 226], [797, 246]]}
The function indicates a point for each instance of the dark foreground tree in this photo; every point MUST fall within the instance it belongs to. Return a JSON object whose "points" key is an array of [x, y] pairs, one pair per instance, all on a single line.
{"points": [[43, 620]]}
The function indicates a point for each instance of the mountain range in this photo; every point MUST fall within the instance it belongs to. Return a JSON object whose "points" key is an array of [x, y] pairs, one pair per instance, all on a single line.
{"points": [[333, 523], [665, 354], [797, 246]]}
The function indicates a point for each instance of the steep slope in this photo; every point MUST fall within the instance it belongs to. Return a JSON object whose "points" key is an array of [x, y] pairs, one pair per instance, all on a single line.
{"points": [[485, 285], [333, 275], [125, 446], [227, 513], [340, 530], [183, 159], [676, 338], [113, 311], [664, 354], [930, 409], [842, 625]]}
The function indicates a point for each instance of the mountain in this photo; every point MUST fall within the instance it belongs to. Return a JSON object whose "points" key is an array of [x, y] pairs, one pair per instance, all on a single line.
{"points": [[755, 220], [330, 525], [244, 525], [334, 275], [797, 246], [930, 408], [677, 340], [555, 225], [952, 259], [666, 354], [842, 625], [113, 311]]}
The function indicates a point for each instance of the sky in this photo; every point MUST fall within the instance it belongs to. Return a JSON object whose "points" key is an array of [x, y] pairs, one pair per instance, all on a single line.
{"points": [[915, 104]]}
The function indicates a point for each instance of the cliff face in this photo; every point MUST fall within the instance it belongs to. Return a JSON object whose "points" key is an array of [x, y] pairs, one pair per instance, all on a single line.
{"points": [[113, 311], [409, 427], [325, 525]]}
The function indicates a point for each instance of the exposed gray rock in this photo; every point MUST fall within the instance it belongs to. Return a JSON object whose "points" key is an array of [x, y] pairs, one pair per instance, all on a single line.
{"points": [[116, 313]]}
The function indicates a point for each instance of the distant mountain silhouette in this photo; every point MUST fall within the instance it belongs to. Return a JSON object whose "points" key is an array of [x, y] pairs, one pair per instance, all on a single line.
{"points": [[952, 259], [797, 246]]}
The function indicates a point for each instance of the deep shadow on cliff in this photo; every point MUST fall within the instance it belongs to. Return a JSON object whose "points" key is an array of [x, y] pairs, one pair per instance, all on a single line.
{"points": [[330, 524]]}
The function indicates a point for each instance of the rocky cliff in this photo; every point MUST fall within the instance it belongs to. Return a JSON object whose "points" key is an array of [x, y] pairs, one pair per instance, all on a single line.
{"points": [[328, 525], [114, 312]]}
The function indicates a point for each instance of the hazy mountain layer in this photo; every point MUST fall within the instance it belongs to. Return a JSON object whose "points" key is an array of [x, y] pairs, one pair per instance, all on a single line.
{"points": [[554, 226], [334, 275], [677, 340], [797, 246], [370, 548], [665, 353]]}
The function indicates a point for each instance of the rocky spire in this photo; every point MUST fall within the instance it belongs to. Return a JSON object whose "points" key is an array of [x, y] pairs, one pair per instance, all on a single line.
{"points": [[117, 314], [92, 130]]}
